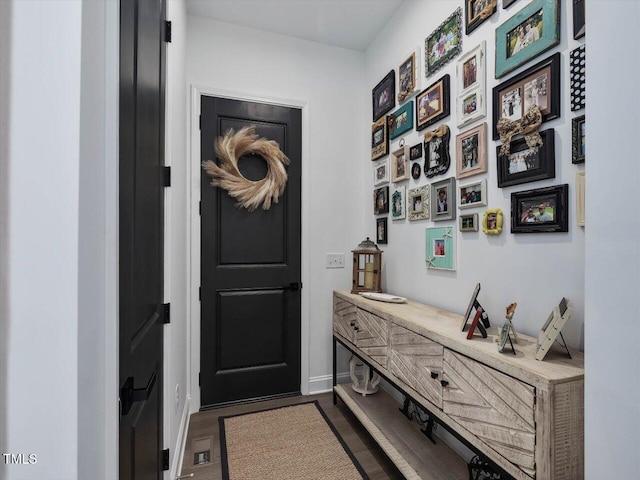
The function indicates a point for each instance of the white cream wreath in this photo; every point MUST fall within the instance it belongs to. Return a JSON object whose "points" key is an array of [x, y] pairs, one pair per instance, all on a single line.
{"points": [[249, 194]]}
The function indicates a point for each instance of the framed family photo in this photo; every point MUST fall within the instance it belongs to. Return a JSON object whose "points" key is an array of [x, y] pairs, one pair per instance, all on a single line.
{"points": [[444, 43], [408, 76], [440, 248], [471, 104], [379, 139], [538, 85], [436, 151], [383, 95], [381, 172], [401, 120], [415, 152], [399, 165], [469, 223], [477, 11], [432, 104], [471, 152], [541, 210], [532, 31], [418, 203], [443, 202], [472, 194], [416, 170], [381, 200], [524, 164], [578, 139]]}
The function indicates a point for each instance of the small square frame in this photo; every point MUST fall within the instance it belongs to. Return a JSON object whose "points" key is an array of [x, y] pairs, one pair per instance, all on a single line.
{"points": [[492, 221], [415, 152], [473, 189], [418, 203], [468, 223], [440, 212]]}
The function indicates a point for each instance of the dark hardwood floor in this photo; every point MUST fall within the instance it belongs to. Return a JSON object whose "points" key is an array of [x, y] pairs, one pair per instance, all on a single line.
{"points": [[204, 433]]}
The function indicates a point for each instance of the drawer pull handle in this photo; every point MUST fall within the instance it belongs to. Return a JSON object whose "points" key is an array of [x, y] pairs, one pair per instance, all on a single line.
{"points": [[356, 328], [444, 383], [434, 375], [352, 324]]}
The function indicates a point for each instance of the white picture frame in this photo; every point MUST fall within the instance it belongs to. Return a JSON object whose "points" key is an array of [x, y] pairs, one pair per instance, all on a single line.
{"points": [[398, 203], [471, 78], [473, 194], [381, 172], [552, 328]]}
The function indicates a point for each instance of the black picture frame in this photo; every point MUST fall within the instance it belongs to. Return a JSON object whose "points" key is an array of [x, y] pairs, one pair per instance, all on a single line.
{"points": [[416, 170], [508, 3], [415, 152], [381, 231], [383, 95], [426, 113], [477, 12], [379, 139], [579, 19], [551, 201], [436, 154], [517, 90], [578, 138], [472, 303], [524, 164], [577, 73], [381, 200]]}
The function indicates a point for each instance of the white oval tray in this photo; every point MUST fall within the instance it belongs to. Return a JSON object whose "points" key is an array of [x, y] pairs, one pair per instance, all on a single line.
{"points": [[383, 297]]}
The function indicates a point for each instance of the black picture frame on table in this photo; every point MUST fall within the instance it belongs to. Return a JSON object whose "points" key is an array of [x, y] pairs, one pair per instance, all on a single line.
{"points": [[529, 207], [578, 138], [383, 95], [579, 19], [516, 91], [433, 103], [477, 12], [381, 231], [524, 164]]}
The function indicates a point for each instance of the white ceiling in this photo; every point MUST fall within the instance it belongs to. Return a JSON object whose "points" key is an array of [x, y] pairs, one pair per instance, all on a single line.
{"points": [[349, 24]]}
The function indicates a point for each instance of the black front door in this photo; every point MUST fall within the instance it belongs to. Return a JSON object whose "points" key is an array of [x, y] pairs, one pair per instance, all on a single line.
{"points": [[141, 237], [250, 266]]}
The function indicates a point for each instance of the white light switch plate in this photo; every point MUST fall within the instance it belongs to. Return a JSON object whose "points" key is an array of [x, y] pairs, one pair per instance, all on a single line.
{"points": [[335, 260]]}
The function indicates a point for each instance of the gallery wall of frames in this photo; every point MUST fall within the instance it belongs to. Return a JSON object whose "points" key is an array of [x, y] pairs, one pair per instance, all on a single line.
{"points": [[478, 123]]}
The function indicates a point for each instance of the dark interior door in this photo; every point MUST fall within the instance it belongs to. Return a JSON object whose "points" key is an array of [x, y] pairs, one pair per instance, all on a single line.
{"points": [[141, 237], [250, 266]]}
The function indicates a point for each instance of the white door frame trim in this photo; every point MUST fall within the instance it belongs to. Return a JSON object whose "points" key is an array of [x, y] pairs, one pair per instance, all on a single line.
{"points": [[193, 232]]}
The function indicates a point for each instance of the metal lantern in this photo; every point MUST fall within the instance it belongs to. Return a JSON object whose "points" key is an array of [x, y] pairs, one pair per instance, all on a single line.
{"points": [[367, 266]]}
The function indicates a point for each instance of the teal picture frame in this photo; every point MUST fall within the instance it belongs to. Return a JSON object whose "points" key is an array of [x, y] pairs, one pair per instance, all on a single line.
{"points": [[517, 41], [401, 120], [440, 248]]}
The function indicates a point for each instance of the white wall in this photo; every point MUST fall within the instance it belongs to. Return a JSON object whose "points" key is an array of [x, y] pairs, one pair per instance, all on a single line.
{"points": [[44, 153], [176, 251], [329, 81], [612, 410], [535, 270]]}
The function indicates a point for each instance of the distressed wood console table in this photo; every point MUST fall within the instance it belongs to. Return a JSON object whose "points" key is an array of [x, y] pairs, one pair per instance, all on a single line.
{"points": [[523, 415]]}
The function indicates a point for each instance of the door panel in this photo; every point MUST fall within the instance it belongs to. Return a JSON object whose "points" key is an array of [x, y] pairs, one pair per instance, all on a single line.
{"points": [[250, 317], [141, 242]]}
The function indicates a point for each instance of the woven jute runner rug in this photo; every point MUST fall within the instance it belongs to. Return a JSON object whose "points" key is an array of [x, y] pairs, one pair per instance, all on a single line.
{"points": [[287, 443]]}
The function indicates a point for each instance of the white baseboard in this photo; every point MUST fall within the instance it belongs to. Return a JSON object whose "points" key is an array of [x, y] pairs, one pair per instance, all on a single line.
{"points": [[176, 465], [324, 383]]}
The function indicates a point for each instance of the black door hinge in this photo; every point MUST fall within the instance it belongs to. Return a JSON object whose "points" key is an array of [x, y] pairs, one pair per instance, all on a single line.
{"points": [[167, 31], [166, 179], [200, 293], [166, 310], [200, 208], [165, 459]]}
